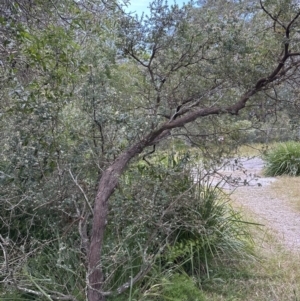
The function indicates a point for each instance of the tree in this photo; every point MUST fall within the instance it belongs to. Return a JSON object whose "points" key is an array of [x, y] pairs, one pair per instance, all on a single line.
{"points": [[134, 83], [174, 45]]}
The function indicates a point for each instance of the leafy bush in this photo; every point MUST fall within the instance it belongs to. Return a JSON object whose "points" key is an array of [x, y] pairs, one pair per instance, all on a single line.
{"points": [[284, 159]]}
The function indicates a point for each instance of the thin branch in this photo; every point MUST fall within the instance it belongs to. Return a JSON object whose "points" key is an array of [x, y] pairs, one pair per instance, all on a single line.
{"points": [[3, 247], [49, 297], [82, 191], [131, 53], [82, 228], [132, 281], [43, 293], [149, 153], [291, 23], [275, 19]]}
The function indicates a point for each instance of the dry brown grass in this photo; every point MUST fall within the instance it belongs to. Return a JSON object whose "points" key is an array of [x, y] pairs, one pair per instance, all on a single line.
{"points": [[255, 149], [288, 189], [275, 276], [278, 270]]}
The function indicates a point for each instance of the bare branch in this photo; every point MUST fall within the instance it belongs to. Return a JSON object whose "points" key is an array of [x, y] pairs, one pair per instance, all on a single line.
{"points": [[49, 297], [82, 191], [275, 19], [291, 23], [3, 247]]}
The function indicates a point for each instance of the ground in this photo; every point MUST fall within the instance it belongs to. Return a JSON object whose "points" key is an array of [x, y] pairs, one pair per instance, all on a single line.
{"points": [[255, 193]]}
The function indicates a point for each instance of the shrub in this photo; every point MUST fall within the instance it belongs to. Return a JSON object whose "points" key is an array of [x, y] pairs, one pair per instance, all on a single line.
{"points": [[206, 229], [160, 216], [284, 159], [180, 287]]}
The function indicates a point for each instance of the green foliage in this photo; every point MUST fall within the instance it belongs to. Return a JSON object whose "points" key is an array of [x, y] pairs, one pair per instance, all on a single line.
{"points": [[56, 268], [283, 159], [171, 223], [81, 83], [16, 296], [145, 192], [217, 232], [179, 287], [51, 267]]}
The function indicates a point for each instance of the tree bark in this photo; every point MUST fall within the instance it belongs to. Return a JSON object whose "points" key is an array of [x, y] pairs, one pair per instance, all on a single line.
{"points": [[107, 185], [108, 182]]}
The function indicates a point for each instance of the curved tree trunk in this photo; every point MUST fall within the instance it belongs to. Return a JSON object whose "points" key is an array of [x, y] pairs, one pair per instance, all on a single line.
{"points": [[108, 182]]}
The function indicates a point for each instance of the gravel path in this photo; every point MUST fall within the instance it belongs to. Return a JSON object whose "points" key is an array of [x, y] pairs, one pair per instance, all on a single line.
{"points": [[275, 213]]}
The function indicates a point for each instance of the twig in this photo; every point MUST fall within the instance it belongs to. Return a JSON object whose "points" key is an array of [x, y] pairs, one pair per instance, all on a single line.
{"points": [[4, 252], [80, 188], [149, 153]]}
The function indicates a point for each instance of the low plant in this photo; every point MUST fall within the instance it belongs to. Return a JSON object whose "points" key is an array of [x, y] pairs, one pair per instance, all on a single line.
{"points": [[207, 230], [171, 224], [283, 159], [179, 287]]}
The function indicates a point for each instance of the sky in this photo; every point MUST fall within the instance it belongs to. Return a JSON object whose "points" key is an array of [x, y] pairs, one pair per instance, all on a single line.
{"points": [[139, 6]]}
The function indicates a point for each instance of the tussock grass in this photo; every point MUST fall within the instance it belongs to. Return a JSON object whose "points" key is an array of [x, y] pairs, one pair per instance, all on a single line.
{"points": [[274, 276], [283, 159]]}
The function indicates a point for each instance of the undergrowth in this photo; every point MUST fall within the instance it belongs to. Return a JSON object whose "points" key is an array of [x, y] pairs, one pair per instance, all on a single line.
{"points": [[183, 228], [283, 159]]}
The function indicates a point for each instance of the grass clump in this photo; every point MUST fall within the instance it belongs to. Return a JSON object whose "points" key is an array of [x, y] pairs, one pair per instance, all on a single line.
{"points": [[207, 230], [174, 286], [284, 159]]}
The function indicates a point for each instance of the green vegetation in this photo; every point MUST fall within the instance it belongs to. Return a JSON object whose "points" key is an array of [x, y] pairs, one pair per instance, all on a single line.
{"points": [[254, 149], [283, 159], [179, 287], [194, 226], [103, 119]]}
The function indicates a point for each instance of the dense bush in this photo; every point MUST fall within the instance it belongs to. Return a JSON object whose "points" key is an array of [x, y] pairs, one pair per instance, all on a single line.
{"points": [[172, 222], [284, 159]]}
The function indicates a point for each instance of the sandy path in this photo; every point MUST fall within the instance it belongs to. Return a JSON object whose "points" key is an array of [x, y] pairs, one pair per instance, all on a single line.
{"points": [[275, 213]]}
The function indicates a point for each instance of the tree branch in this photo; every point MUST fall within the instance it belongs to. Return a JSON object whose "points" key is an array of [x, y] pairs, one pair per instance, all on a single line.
{"points": [[82, 191], [275, 19]]}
